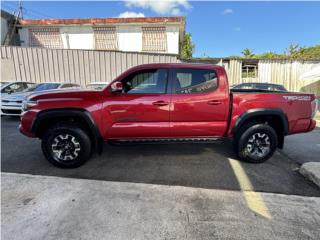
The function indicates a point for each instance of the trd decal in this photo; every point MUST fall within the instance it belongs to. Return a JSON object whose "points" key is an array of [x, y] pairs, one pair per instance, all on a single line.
{"points": [[299, 98]]}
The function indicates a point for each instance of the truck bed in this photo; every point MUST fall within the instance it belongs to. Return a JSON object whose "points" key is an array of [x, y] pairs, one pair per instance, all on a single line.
{"points": [[296, 106]]}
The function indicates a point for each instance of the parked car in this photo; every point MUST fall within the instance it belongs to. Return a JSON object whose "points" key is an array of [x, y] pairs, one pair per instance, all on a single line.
{"points": [[97, 85], [165, 102], [14, 87], [260, 86], [11, 104]]}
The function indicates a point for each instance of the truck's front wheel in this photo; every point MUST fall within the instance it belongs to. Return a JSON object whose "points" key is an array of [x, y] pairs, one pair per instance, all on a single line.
{"points": [[255, 143], [66, 146]]}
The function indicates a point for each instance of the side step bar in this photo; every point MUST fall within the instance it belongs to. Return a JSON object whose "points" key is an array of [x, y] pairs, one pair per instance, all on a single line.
{"points": [[165, 140]]}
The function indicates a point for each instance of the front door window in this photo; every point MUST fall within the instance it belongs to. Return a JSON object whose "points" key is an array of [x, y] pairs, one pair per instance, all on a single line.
{"points": [[151, 81]]}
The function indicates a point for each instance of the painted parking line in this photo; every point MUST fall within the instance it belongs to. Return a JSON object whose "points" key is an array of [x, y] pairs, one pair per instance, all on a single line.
{"points": [[254, 199]]}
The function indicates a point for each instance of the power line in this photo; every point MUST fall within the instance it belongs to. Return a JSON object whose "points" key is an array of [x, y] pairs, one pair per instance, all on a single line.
{"points": [[36, 13], [27, 11]]}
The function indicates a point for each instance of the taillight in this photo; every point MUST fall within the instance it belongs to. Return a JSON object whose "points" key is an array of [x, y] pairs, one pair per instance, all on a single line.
{"points": [[314, 108]]}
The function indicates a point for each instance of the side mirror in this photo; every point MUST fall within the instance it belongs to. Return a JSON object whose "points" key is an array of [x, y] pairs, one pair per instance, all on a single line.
{"points": [[116, 87]]}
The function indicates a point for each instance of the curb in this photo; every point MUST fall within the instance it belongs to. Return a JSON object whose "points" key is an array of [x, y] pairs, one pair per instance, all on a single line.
{"points": [[311, 171]]}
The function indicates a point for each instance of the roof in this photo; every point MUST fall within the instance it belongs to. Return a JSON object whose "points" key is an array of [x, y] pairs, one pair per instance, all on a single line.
{"points": [[6, 15], [175, 65], [101, 21]]}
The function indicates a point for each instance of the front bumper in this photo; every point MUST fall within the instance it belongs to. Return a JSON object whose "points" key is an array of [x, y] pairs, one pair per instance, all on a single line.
{"points": [[312, 125], [11, 109], [25, 126]]}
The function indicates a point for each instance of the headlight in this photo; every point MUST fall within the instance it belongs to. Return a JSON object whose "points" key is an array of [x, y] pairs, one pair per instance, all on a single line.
{"points": [[27, 104]]}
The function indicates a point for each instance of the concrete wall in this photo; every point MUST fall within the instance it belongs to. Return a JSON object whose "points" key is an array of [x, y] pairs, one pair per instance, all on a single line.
{"points": [[173, 39], [77, 37], [129, 38], [4, 29], [75, 66]]}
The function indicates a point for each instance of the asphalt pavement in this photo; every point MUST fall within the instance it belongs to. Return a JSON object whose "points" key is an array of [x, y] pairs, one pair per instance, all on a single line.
{"points": [[41, 207], [209, 166], [172, 191]]}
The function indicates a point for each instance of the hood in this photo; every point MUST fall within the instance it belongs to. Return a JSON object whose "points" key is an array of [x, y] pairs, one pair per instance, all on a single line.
{"points": [[65, 94], [20, 96]]}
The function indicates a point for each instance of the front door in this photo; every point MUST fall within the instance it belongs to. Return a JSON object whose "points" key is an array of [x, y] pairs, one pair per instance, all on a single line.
{"points": [[199, 105], [142, 109]]}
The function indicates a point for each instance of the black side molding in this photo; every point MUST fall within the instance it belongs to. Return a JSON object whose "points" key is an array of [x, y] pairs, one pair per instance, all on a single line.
{"points": [[69, 112], [263, 112]]}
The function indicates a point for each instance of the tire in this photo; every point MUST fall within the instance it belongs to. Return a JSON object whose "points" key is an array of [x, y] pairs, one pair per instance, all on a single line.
{"points": [[255, 143], [66, 146]]}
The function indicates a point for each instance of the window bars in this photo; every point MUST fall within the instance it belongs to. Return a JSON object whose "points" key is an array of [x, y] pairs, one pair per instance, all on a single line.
{"points": [[45, 37], [154, 39], [105, 38]]}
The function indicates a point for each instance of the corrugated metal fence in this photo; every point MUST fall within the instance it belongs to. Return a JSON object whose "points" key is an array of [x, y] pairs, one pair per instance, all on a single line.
{"points": [[283, 72], [76, 66], [84, 66], [288, 73]]}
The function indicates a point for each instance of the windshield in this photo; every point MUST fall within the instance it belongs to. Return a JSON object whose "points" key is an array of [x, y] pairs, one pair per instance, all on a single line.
{"points": [[43, 87], [3, 83], [260, 86]]}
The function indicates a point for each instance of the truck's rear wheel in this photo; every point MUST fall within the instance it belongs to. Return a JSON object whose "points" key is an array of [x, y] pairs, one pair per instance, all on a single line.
{"points": [[66, 146], [255, 143]]}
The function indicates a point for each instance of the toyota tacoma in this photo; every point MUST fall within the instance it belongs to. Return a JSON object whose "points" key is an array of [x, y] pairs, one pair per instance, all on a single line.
{"points": [[165, 103]]}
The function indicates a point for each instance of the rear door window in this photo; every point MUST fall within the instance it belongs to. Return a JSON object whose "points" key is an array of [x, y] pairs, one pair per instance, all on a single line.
{"points": [[188, 81]]}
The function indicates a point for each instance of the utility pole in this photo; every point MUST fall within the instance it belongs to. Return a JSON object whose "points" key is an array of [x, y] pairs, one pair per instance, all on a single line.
{"points": [[20, 9]]}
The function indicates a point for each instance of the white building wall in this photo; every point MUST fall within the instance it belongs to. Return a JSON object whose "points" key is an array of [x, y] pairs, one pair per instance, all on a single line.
{"points": [[173, 39], [77, 37], [129, 38]]}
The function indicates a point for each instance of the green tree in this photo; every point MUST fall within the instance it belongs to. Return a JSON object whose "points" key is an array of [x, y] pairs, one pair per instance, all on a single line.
{"points": [[310, 52], [187, 47], [267, 55], [293, 49], [247, 53]]}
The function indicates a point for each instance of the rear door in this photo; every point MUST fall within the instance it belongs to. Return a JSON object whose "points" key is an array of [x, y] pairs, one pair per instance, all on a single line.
{"points": [[198, 105], [142, 109]]}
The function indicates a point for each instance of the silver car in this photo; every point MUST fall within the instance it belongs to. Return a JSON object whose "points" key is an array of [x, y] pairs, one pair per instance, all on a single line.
{"points": [[11, 104], [14, 87]]}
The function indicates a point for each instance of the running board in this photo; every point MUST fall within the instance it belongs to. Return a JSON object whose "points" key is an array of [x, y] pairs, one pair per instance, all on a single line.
{"points": [[165, 140]]}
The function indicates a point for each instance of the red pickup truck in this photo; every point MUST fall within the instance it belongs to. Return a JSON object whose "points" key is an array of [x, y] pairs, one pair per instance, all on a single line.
{"points": [[165, 102]]}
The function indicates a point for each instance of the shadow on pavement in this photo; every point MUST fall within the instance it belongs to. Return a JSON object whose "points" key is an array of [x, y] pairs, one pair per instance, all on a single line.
{"points": [[190, 165]]}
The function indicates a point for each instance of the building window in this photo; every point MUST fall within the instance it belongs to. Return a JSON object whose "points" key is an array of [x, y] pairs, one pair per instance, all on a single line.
{"points": [[45, 37], [105, 38], [250, 70], [154, 39]]}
